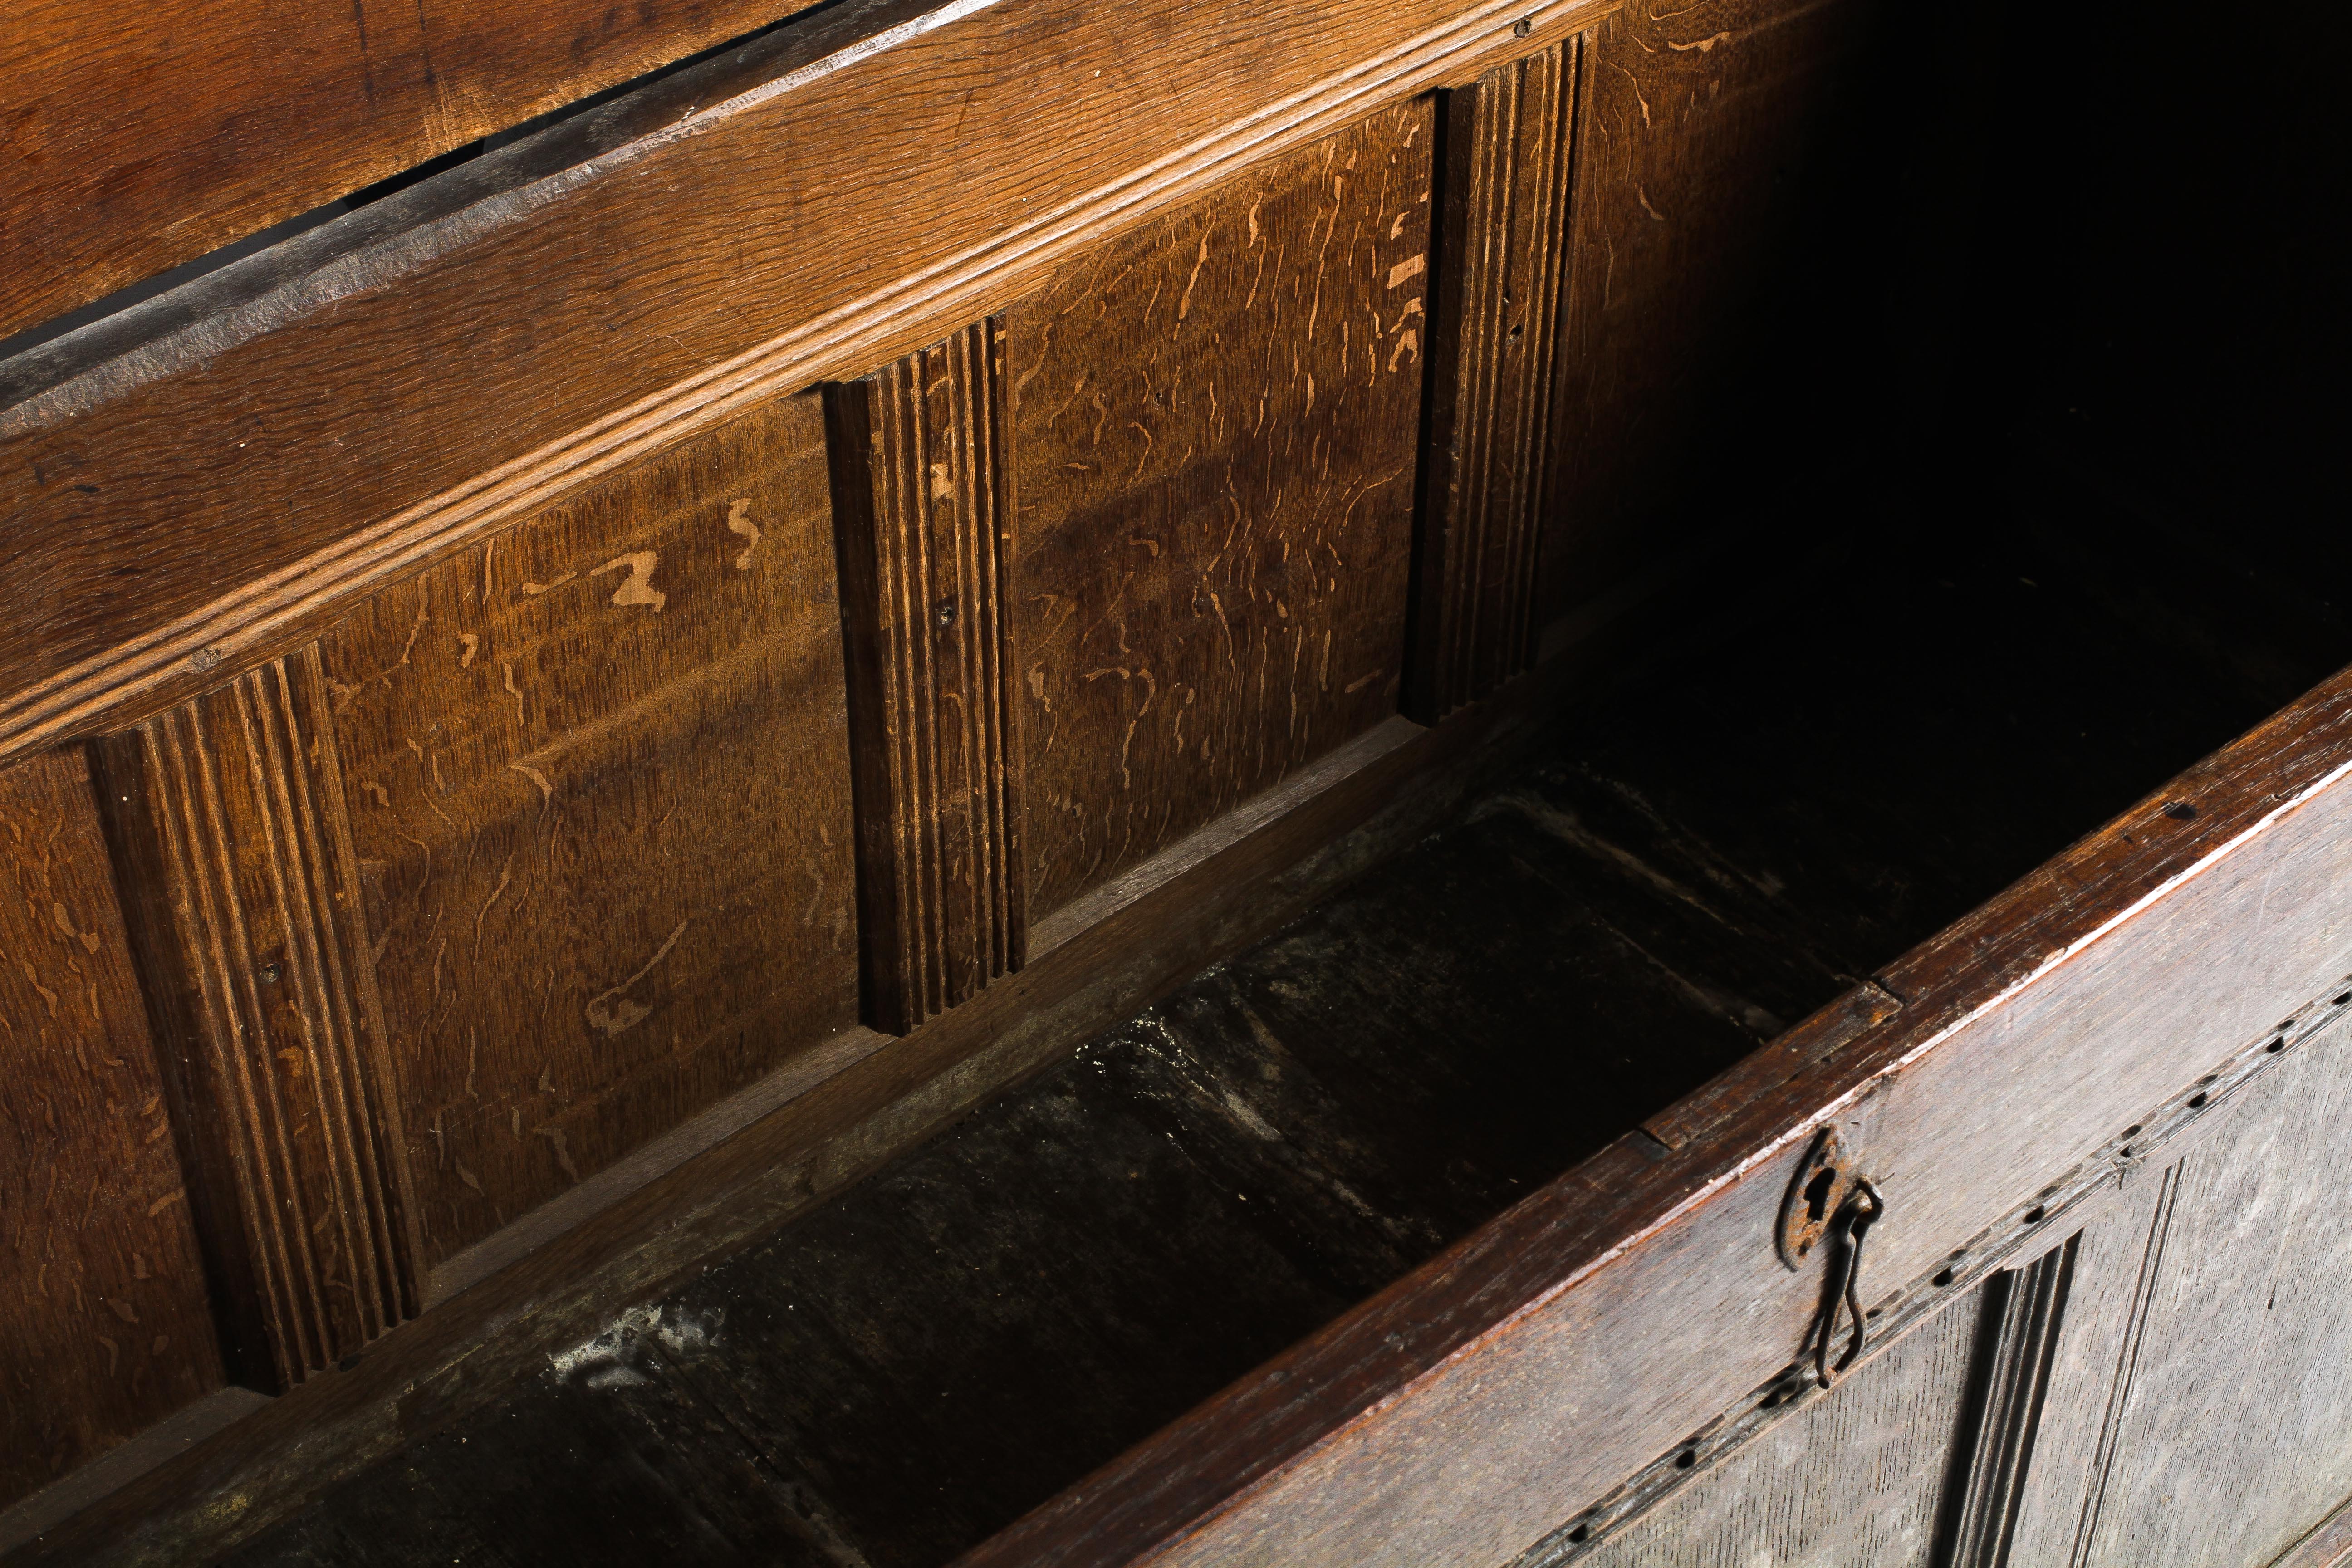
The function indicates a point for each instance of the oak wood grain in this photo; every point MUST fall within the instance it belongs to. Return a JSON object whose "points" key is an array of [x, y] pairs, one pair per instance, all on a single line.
{"points": [[924, 511], [334, 418], [1856, 1478], [105, 1325], [135, 148], [598, 772], [1217, 423], [247, 906], [1503, 253], [467, 1350], [2222, 1400]]}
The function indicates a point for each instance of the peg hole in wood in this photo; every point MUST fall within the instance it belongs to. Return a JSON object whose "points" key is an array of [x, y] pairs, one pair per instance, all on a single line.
{"points": [[2211, 1078], [1687, 1458], [2124, 1152], [2034, 1216], [1580, 1534], [1523, 26], [2180, 811], [2343, 998], [2276, 1045], [1943, 1277], [2197, 1102]]}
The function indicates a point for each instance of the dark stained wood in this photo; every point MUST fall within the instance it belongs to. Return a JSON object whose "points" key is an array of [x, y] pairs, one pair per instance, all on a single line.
{"points": [[1216, 438], [218, 475], [1704, 204], [256, 955], [612, 1460], [2024, 1311], [1510, 142], [924, 510], [105, 1327], [598, 783], [138, 147]]}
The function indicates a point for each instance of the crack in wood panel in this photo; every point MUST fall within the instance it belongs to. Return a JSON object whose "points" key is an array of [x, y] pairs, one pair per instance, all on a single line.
{"points": [[258, 958], [922, 496], [1509, 176]]}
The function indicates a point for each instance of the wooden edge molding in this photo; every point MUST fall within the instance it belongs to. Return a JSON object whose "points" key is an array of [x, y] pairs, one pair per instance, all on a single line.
{"points": [[2050, 1013], [498, 1311], [245, 912], [1507, 185], [2024, 1310], [923, 511], [837, 317], [2329, 1545]]}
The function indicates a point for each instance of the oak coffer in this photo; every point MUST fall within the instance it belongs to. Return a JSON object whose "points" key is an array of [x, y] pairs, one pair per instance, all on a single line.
{"points": [[613, 618]]}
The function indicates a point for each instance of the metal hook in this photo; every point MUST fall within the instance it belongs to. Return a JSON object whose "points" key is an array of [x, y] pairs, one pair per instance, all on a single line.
{"points": [[1841, 1287]]}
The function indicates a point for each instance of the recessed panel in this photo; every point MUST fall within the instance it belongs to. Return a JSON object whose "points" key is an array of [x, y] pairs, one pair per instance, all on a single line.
{"points": [[598, 780], [1216, 425]]}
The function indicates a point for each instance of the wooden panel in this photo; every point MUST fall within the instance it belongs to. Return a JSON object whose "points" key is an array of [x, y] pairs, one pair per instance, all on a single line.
{"points": [[256, 952], [923, 508], [104, 1328], [2221, 1395], [1855, 1479], [1510, 144], [1217, 421], [136, 147], [212, 479], [1703, 222], [599, 787]]}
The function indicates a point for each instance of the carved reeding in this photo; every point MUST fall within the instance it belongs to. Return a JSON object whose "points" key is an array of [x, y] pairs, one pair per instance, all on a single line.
{"points": [[2023, 1311], [923, 505], [259, 965], [1509, 163]]}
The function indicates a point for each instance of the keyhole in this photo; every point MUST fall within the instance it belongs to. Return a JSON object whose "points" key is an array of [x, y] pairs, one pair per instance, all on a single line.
{"points": [[1817, 1194], [945, 612]]}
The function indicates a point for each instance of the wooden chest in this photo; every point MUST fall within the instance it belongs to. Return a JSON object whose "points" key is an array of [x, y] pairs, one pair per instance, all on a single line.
{"points": [[579, 698]]}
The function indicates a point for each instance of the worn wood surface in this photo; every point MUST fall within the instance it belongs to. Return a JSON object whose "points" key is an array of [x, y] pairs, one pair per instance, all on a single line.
{"points": [[597, 774], [136, 147], [1511, 139], [1218, 428], [1856, 1478], [105, 1327], [352, 418], [2219, 1391], [247, 910], [923, 505]]}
